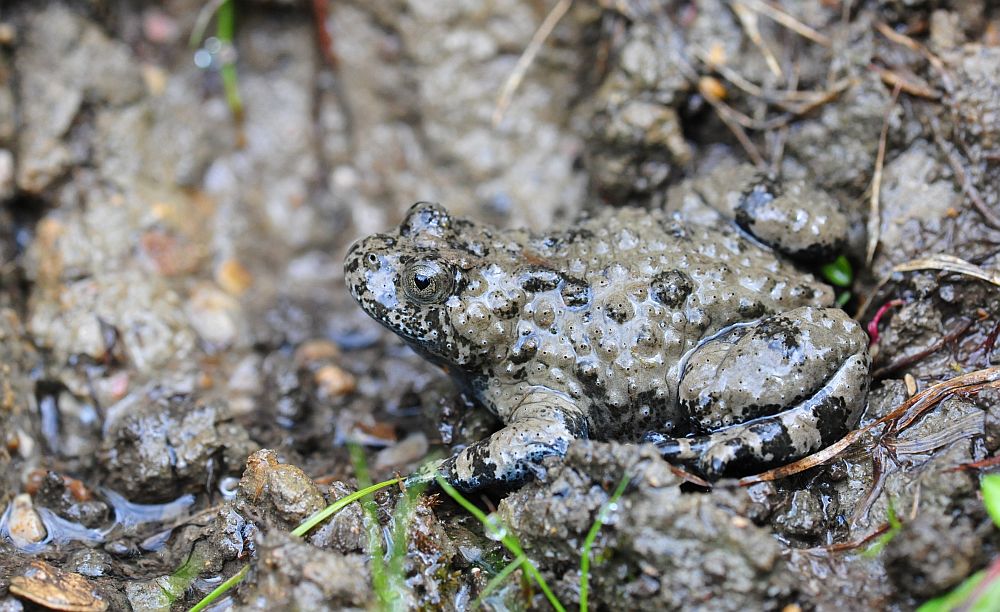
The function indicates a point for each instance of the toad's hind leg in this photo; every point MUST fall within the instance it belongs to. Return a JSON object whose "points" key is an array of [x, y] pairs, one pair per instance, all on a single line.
{"points": [[541, 425], [770, 394]]}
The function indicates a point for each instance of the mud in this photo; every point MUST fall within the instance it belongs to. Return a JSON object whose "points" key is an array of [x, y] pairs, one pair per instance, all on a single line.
{"points": [[182, 369]]}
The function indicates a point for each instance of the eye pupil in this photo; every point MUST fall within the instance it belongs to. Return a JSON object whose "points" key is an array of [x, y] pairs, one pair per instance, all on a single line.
{"points": [[427, 281]]}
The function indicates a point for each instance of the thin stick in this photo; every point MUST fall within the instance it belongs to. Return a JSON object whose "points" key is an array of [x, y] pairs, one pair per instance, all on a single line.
{"points": [[908, 360], [949, 263], [788, 21], [902, 417], [909, 43], [991, 217], [526, 59], [894, 79], [874, 208], [748, 19]]}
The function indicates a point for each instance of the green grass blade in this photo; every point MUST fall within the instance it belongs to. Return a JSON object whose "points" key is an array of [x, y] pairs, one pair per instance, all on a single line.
{"points": [[588, 542], [220, 590], [955, 598], [304, 528], [225, 29], [895, 525], [497, 580], [380, 581], [339, 505], [991, 496], [508, 540]]}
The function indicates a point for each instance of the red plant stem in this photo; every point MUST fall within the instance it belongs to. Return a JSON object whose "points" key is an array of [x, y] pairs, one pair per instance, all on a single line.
{"points": [[873, 324]]}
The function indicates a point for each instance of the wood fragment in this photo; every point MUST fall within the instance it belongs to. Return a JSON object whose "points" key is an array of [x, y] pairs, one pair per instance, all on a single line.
{"points": [[321, 12], [854, 545]]}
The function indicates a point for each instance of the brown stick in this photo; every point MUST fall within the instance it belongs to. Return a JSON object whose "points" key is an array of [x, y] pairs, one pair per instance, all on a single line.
{"points": [[911, 409]]}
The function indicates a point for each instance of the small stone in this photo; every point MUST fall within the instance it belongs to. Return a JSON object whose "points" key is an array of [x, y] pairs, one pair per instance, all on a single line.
{"points": [[155, 79], [6, 174], [214, 314], [233, 277], [804, 517], [312, 351], [24, 524], [334, 381], [169, 253], [55, 589], [8, 35], [91, 562], [409, 449], [246, 376]]}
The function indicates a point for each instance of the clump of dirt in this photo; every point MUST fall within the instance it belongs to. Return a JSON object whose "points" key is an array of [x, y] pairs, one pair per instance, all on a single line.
{"points": [[182, 370]]}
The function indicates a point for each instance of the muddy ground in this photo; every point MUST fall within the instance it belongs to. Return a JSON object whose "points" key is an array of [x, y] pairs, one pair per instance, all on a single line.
{"points": [[182, 371]]}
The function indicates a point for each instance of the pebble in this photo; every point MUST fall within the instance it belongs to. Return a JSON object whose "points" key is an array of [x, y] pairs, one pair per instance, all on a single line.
{"points": [[55, 589], [334, 381], [407, 450], [24, 524]]}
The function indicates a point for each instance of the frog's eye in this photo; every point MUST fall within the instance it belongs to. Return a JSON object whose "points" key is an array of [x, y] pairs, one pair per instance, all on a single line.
{"points": [[427, 281]]}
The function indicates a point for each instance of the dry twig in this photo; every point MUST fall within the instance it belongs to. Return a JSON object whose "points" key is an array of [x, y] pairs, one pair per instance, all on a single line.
{"points": [[908, 360], [748, 19], [907, 84], [788, 21], [989, 215], [909, 43], [874, 210], [526, 59], [896, 421], [732, 119], [949, 263]]}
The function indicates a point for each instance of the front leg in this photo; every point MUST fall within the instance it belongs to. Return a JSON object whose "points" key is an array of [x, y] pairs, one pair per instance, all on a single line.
{"points": [[542, 425]]}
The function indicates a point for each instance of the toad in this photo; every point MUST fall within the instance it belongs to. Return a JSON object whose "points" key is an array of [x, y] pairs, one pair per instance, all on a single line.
{"points": [[630, 324]]}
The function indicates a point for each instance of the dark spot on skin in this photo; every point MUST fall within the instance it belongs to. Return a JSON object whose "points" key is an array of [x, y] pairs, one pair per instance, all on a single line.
{"points": [[784, 334], [536, 279], [751, 309], [587, 373], [831, 415], [578, 235], [817, 252], [503, 306], [575, 293], [620, 310], [672, 288]]}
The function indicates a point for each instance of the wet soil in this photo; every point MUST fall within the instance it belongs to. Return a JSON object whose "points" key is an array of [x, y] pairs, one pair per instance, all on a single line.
{"points": [[182, 371]]}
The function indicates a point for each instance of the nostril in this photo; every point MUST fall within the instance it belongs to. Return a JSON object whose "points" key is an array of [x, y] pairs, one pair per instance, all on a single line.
{"points": [[371, 260]]}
